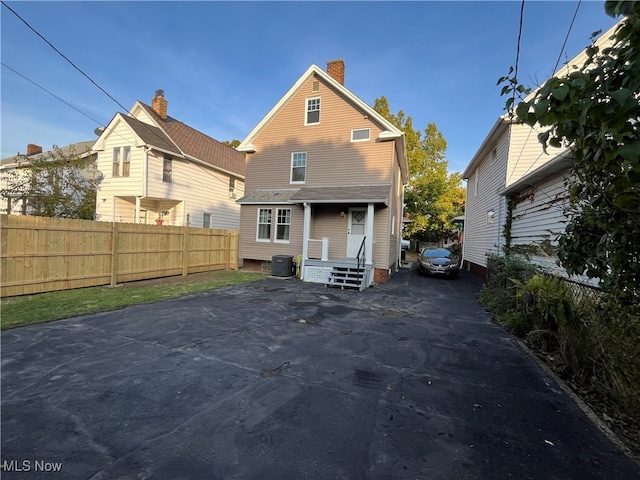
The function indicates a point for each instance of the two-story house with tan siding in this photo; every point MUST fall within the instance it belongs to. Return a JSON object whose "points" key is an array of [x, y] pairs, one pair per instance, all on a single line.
{"points": [[325, 184], [512, 181], [156, 169]]}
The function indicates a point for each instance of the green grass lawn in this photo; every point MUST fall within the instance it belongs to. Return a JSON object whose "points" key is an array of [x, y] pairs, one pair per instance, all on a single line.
{"points": [[45, 307]]}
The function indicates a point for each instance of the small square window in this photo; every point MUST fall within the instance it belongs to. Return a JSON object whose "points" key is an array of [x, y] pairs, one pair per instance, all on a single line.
{"points": [[491, 217], [360, 135]]}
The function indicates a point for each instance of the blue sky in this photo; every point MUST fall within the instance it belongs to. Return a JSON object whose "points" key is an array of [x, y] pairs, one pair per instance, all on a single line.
{"points": [[223, 65]]}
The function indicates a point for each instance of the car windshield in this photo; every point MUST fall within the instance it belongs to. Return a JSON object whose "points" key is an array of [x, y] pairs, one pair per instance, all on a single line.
{"points": [[437, 253]]}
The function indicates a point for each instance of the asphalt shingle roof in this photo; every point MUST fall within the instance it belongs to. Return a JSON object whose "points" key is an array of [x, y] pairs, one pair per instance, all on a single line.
{"points": [[353, 194], [200, 146], [267, 196]]}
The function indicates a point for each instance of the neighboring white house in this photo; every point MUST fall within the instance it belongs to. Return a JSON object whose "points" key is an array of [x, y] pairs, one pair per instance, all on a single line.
{"points": [[16, 196], [511, 164], [156, 169]]}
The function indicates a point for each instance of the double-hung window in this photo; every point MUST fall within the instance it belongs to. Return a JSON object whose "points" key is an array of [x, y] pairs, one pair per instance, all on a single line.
{"points": [[126, 161], [116, 162], [167, 167], [264, 225], [298, 167], [283, 225], [121, 161], [232, 187], [313, 111]]}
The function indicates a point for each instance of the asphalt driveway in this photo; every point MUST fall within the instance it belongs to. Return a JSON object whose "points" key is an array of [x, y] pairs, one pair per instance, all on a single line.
{"points": [[282, 379]]}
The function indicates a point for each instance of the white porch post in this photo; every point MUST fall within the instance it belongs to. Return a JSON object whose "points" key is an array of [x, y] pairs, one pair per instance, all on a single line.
{"points": [[306, 233], [137, 219], [369, 240]]}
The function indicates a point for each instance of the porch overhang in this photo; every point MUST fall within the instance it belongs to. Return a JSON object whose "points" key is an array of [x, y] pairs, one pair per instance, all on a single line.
{"points": [[376, 194]]}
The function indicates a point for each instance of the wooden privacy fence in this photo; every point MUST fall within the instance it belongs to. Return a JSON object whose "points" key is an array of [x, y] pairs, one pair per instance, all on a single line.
{"points": [[40, 254]]}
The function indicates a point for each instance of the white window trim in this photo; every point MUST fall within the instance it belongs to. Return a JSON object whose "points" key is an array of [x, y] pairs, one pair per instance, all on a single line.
{"points": [[306, 110], [263, 240], [360, 139], [291, 180], [275, 234]]}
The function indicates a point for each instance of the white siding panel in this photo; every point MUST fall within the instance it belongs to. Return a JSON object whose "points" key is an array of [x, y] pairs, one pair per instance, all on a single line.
{"points": [[194, 190], [481, 237], [525, 152]]}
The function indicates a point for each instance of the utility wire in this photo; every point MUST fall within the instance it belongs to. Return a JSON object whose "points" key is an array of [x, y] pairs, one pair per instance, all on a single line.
{"points": [[50, 93], [564, 44], [62, 55], [515, 73]]}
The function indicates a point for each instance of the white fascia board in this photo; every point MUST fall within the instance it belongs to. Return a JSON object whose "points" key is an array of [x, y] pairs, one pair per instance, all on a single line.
{"points": [[249, 148], [98, 145]]}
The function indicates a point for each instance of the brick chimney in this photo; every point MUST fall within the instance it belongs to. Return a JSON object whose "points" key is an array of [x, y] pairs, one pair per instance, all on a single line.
{"points": [[159, 104], [335, 69], [33, 149]]}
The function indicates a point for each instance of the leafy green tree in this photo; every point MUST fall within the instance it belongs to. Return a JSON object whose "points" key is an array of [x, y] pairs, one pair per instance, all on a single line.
{"points": [[50, 185], [594, 110], [232, 143], [434, 196]]}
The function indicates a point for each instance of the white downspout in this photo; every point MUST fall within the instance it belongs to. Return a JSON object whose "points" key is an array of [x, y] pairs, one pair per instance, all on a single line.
{"points": [[369, 242], [306, 233]]}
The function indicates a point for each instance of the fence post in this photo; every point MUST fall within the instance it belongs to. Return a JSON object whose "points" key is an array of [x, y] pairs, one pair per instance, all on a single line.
{"points": [[185, 251], [114, 253]]}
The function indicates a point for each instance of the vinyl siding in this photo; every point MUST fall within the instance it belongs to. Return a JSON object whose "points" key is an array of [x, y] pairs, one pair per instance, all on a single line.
{"points": [[526, 153], [195, 189], [538, 216], [250, 249], [332, 159], [481, 237]]}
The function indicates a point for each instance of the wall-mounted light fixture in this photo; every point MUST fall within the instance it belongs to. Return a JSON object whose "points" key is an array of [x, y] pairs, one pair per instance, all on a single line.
{"points": [[343, 214]]}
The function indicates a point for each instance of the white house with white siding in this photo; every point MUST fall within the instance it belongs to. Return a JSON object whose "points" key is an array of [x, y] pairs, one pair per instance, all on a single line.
{"points": [[156, 169], [511, 164], [509, 152]]}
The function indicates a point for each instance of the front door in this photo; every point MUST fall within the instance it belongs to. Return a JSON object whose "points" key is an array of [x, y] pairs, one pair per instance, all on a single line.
{"points": [[356, 228]]}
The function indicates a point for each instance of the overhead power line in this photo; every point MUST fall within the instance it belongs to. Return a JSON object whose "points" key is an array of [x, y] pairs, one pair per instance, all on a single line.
{"points": [[564, 44], [50, 93], [63, 55]]}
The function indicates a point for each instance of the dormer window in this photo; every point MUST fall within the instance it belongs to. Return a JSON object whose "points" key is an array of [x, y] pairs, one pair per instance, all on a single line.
{"points": [[313, 111]]}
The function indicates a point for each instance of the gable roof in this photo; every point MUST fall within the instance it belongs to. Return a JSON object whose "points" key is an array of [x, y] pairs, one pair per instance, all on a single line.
{"points": [[195, 145], [390, 131], [176, 138], [150, 135]]}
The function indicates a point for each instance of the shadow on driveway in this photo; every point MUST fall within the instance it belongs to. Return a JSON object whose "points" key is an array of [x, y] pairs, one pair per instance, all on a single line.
{"points": [[281, 379]]}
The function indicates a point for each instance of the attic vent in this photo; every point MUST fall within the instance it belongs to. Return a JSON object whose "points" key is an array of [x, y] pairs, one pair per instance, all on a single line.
{"points": [[315, 86]]}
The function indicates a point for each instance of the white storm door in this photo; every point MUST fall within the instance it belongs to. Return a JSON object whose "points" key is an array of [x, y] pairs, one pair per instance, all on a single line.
{"points": [[356, 229]]}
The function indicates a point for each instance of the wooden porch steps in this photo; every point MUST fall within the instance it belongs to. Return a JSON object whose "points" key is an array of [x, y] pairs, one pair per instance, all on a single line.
{"points": [[347, 277]]}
